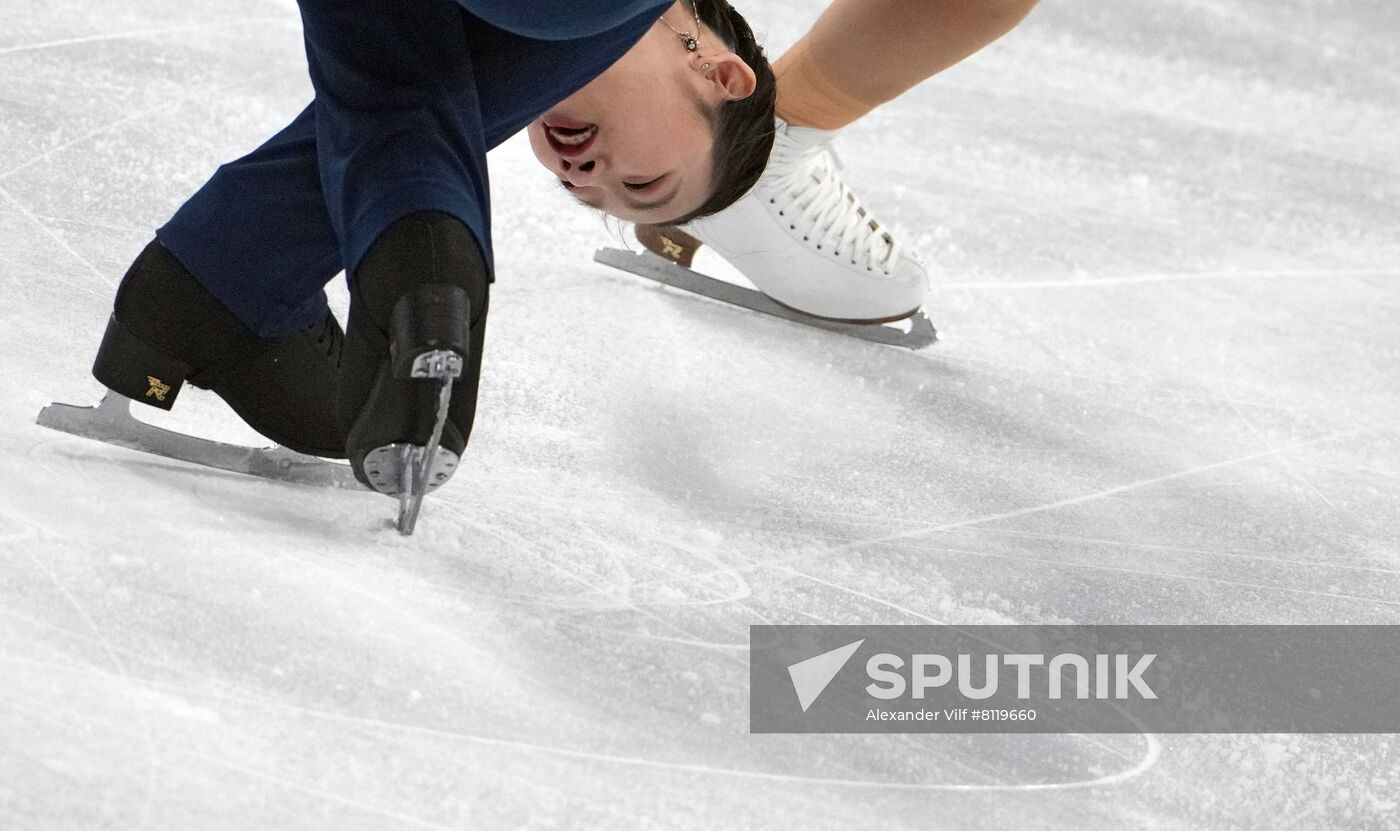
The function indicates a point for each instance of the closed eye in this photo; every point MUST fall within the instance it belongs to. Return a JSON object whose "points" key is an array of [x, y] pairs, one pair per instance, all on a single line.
{"points": [[652, 204], [633, 186]]}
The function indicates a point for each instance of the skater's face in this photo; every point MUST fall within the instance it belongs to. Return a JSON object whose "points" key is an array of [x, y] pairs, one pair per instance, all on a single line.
{"points": [[637, 142]]}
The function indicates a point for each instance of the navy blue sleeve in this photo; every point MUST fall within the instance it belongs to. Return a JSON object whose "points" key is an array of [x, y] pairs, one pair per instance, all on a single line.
{"points": [[560, 19]]}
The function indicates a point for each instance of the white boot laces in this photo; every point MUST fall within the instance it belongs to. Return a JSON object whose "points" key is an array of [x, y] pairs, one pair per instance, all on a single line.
{"points": [[812, 197]]}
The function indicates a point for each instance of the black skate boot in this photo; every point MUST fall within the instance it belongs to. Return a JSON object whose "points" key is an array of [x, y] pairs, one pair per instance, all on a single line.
{"points": [[412, 357], [166, 329]]}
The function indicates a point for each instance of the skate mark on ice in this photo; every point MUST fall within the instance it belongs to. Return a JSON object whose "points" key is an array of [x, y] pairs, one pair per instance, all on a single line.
{"points": [[903, 542], [516, 543], [141, 114], [103, 278], [690, 637], [743, 591], [1013, 324], [86, 223], [1199, 552], [277, 780], [1016, 374], [1355, 470], [328, 572], [854, 543], [750, 613], [1027, 558], [45, 155], [1149, 759], [14, 528], [718, 568], [619, 602], [857, 542], [133, 686], [140, 657], [626, 593], [1302, 479], [1153, 749], [143, 33], [1107, 492], [1177, 277], [652, 638], [1166, 575], [379, 726], [1242, 129], [643, 547], [83, 86]]}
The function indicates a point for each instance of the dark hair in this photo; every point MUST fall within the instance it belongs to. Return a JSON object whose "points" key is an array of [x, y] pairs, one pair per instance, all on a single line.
{"points": [[744, 128]]}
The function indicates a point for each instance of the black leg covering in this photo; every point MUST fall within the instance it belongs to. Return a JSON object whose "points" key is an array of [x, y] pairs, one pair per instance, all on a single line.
{"points": [[166, 328], [423, 285]]}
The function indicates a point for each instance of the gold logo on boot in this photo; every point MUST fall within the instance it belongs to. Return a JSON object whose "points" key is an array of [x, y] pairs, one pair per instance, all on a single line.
{"points": [[158, 389], [670, 250]]}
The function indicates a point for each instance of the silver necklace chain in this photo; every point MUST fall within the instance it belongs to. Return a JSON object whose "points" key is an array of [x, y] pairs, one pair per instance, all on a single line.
{"points": [[691, 40]]}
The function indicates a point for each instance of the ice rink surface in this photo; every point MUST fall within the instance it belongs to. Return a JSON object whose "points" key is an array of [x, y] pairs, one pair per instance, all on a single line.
{"points": [[1166, 245]]}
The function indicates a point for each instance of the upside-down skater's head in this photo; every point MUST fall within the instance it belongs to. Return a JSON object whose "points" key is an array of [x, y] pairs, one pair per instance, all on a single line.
{"points": [[667, 133]]}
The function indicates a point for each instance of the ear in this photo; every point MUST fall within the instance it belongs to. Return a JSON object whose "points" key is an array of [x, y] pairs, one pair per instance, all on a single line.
{"points": [[728, 72]]}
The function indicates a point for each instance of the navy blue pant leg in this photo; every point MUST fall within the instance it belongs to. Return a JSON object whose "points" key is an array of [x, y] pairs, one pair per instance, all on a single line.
{"points": [[258, 235], [409, 97], [556, 20], [398, 125]]}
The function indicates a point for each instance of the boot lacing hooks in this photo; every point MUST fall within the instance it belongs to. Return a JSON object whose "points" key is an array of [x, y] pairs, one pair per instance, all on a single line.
{"points": [[815, 201]]}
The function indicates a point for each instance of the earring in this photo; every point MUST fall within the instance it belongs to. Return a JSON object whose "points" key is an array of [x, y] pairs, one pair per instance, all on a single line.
{"points": [[704, 66]]}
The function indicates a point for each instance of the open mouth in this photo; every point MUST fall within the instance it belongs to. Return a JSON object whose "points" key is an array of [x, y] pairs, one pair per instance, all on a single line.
{"points": [[570, 140]]}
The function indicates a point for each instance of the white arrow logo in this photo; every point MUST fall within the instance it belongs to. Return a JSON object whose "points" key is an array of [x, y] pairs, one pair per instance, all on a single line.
{"points": [[810, 677]]}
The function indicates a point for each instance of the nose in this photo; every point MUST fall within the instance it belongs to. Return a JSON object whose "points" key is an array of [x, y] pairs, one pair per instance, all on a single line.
{"points": [[581, 172]]}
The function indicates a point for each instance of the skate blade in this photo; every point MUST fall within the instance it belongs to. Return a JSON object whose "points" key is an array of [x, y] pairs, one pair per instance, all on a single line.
{"points": [[111, 422], [396, 470], [919, 334], [385, 468]]}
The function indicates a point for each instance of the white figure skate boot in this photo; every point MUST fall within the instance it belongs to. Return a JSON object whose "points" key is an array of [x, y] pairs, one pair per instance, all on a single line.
{"points": [[804, 239]]}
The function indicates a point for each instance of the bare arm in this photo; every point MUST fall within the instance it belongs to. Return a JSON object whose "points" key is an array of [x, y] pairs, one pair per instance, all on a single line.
{"points": [[874, 50]]}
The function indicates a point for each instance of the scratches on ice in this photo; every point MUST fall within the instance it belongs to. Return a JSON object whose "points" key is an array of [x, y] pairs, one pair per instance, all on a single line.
{"points": [[61, 242], [1176, 277], [1106, 492], [142, 33]]}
